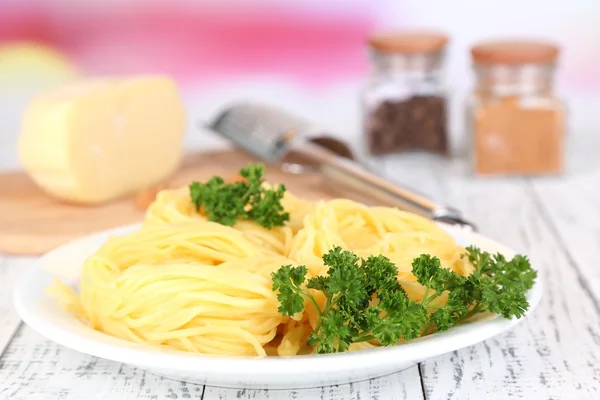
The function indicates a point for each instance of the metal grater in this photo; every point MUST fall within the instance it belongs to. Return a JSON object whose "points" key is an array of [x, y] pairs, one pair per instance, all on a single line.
{"points": [[277, 136], [261, 130]]}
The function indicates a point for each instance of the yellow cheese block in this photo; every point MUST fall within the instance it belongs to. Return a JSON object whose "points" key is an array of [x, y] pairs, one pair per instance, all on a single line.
{"points": [[96, 140]]}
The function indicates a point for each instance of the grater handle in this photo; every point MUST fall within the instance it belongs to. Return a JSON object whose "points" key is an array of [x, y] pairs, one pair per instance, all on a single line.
{"points": [[351, 177]]}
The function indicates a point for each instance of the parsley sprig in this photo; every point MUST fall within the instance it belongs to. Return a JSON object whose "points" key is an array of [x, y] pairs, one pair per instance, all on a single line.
{"points": [[351, 314], [226, 202], [364, 300], [497, 285]]}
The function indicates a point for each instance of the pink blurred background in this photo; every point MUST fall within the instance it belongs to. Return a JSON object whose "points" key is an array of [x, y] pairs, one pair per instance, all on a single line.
{"points": [[309, 56]]}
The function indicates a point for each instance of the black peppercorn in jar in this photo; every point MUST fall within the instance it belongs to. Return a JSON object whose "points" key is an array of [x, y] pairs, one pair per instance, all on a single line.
{"points": [[404, 101]]}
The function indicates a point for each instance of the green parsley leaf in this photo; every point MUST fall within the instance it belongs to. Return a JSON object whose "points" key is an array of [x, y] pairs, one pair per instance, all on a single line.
{"points": [[288, 280], [365, 301], [226, 203]]}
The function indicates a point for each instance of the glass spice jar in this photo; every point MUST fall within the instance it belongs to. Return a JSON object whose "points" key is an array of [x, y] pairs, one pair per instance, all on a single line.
{"points": [[515, 121], [404, 101]]}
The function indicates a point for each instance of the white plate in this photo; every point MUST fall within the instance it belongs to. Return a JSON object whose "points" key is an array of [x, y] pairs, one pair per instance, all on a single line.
{"points": [[42, 313]]}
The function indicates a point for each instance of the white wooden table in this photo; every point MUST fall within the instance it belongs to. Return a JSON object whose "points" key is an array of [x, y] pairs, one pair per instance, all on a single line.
{"points": [[554, 354]]}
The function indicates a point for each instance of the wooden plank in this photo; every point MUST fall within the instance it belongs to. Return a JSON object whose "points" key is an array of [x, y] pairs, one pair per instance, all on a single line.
{"points": [[572, 208], [556, 352], [402, 385], [10, 268], [571, 204], [35, 368]]}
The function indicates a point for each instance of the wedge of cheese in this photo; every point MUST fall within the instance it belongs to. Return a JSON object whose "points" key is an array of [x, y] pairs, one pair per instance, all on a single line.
{"points": [[97, 140]]}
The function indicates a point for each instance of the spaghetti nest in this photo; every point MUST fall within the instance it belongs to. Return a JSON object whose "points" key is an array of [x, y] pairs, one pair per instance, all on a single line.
{"points": [[185, 283]]}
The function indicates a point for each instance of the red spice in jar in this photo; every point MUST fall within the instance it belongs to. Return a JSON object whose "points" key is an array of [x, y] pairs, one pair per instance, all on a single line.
{"points": [[517, 122]]}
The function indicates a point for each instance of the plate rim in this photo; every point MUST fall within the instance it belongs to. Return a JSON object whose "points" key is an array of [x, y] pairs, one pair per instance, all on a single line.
{"points": [[123, 351]]}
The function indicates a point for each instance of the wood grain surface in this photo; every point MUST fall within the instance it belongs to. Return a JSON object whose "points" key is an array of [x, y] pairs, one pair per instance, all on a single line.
{"points": [[554, 354], [31, 222]]}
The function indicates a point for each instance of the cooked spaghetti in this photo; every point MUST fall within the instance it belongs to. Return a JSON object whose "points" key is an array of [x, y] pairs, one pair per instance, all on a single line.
{"points": [[185, 283]]}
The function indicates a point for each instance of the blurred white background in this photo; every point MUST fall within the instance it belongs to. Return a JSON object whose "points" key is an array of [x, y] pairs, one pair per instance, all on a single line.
{"points": [[308, 56]]}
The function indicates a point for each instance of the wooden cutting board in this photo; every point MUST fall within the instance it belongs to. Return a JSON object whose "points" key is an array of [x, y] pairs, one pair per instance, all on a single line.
{"points": [[32, 222]]}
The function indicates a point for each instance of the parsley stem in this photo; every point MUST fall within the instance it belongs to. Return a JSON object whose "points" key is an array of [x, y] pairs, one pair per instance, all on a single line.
{"points": [[362, 338], [312, 299], [428, 299], [247, 195], [328, 306], [425, 301], [477, 309]]}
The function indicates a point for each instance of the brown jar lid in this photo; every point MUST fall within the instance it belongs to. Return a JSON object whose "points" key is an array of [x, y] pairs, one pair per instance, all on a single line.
{"points": [[514, 52], [408, 42]]}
